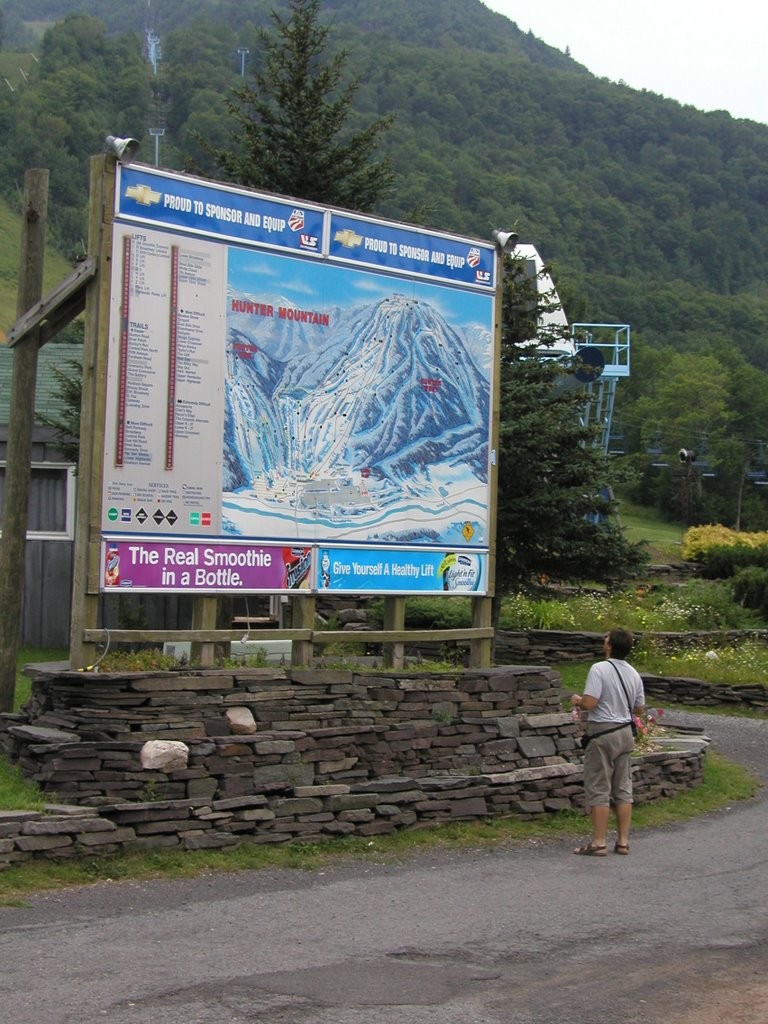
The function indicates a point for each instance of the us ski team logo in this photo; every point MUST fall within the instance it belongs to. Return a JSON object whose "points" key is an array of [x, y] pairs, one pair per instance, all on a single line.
{"points": [[296, 220], [473, 259]]}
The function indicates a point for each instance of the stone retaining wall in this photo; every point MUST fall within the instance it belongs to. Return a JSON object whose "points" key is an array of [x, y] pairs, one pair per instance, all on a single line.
{"points": [[330, 753], [550, 646], [80, 737], [320, 812], [681, 690], [191, 704]]}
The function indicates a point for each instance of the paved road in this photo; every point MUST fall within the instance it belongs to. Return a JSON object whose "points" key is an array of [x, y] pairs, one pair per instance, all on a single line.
{"points": [[521, 934]]}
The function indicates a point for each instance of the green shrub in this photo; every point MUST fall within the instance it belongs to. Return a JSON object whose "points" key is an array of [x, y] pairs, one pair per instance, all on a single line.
{"points": [[699, 539], [428, 612], [722, 561], [750, 588]]}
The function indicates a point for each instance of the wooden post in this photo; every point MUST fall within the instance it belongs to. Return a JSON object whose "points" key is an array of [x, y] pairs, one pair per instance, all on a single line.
{"points": [[481, 651], [204, 615], [87, 557], [394, 620], [22, 418], [302, 617]]}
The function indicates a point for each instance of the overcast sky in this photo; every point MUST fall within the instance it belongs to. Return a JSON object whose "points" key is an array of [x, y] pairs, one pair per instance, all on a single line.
{"points": [[709, 53]]}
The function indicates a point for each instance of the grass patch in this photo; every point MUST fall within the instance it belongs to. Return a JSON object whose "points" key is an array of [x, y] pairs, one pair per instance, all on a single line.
{"points": [[573, 674], [16, 793], [33, 655], [724, 783], [740, 665], [56, 266], [664, 539]]}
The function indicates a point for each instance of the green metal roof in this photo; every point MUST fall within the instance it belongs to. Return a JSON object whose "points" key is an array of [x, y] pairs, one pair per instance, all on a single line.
{"points": [[50, 356]]}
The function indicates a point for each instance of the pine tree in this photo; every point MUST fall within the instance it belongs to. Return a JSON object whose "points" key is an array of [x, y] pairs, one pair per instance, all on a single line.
{"points": [[291, 121], [550, 472]]}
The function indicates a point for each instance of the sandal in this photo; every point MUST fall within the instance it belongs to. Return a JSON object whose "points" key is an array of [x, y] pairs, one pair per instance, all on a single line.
{"points": [[622, 848], [591, 851]]}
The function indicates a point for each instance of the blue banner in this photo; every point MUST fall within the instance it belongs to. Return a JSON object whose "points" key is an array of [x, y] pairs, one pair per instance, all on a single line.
{"points": [[409, 251], [382, 571], [216, 211]]}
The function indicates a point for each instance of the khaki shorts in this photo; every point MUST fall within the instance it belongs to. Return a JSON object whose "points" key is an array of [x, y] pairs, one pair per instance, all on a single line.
{"points": [[607, 766]]}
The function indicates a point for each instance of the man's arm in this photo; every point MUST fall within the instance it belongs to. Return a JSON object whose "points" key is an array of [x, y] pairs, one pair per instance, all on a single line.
{"points": [[586, 702]]}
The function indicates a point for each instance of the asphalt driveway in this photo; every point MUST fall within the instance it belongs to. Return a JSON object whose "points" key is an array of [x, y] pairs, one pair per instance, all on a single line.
{"points": [[524, 933]]}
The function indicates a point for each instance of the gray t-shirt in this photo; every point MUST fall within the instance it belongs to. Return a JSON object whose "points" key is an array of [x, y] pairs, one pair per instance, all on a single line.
{"points": [[603, 683]]}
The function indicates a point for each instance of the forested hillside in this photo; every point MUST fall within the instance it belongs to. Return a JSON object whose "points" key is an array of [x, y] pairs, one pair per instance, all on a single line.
{"points": [[651, 212]]}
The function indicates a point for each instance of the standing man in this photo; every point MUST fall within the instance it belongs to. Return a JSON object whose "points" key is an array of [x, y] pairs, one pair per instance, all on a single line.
{"points": [[613, 695]]}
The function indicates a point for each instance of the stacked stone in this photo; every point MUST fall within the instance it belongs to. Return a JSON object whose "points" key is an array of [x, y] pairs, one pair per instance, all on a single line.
{"points": [[530, 792], [681, 690], [193, 705], [57, 834], [254, 762], [314, 813], [550, 646], [665, 774]]}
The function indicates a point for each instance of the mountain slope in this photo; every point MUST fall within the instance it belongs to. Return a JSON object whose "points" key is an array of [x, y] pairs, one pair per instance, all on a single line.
{"points": [[635, 198]]}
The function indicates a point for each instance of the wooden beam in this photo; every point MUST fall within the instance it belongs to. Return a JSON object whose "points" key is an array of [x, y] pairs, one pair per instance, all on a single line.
{"points": [[320, 637], [68, 295], [64, 315], [211, 636], [405, 636]]}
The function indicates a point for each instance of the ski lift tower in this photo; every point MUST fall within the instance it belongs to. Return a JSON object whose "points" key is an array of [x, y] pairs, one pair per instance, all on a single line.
{"points": [[603, 352], [600, 351]]}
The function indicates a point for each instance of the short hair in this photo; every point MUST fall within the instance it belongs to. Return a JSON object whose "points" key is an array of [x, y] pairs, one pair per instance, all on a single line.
{"points": [[621, 641]]}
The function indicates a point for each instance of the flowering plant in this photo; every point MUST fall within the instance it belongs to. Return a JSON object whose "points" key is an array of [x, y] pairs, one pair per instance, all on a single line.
{"points": [[648, 729]]}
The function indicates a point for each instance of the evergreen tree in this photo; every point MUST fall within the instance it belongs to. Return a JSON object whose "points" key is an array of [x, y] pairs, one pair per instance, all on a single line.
{"points": [[290, 121], [68, 390], [550, 473]]}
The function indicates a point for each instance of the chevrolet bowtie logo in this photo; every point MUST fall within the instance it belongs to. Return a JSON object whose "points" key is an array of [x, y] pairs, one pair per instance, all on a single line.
{"points": [[143, 195], [348, 238]]}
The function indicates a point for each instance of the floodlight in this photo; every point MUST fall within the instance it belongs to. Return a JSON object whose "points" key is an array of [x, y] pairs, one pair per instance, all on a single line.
{"points": [[124, 150], [505, 241]]}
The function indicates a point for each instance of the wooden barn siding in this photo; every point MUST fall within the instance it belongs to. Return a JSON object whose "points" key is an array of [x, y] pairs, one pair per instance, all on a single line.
{"points": [[47, 593]]}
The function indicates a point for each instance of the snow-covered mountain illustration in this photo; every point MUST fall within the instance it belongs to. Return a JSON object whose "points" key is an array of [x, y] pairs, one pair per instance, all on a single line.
{"points": [[376, 408]]}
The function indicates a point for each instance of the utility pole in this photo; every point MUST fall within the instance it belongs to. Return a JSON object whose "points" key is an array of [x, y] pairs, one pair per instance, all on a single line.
{"points": [[19, 447]]}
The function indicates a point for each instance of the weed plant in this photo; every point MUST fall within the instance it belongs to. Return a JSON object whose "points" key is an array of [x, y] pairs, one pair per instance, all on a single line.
{"points": [[695, 605]]}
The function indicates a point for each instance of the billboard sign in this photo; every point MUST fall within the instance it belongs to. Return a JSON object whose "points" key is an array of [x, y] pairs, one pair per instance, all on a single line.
{"points": [[285, 376]]}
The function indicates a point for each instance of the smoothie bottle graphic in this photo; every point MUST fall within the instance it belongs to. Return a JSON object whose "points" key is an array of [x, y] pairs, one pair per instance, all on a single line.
{"points": [[112, 567]]}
